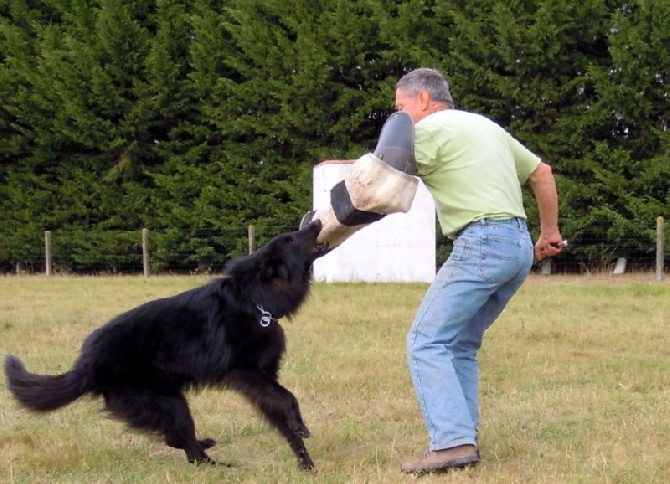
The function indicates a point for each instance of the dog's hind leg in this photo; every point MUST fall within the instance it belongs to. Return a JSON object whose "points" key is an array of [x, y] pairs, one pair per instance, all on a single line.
{"points": [[179, 431], [165, 414], [278, 405]]}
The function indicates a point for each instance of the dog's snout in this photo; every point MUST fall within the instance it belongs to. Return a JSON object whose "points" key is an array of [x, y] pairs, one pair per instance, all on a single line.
{"points": [[316, 226]]}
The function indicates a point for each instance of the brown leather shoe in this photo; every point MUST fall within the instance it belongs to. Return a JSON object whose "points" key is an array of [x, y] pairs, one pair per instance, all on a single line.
{"points": [[444, 460]]}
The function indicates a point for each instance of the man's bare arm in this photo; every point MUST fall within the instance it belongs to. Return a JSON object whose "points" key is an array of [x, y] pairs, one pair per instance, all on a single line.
{"points": [[543, 185]]}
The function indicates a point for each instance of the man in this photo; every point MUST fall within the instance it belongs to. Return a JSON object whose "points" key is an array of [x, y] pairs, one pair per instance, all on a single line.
{"points": [[474, 170]]}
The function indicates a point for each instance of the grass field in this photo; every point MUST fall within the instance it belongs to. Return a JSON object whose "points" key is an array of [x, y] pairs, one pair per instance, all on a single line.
{"points": [[575, 388]]}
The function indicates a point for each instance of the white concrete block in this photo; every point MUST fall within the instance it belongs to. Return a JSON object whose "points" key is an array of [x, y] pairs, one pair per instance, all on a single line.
{"points": [[398, 248]]}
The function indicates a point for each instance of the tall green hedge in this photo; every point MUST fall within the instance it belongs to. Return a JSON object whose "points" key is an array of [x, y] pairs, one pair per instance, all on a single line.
{"points": [[209, 115]]}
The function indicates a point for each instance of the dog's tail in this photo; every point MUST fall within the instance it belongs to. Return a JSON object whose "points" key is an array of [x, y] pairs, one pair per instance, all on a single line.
{"points": [[42, 393]]}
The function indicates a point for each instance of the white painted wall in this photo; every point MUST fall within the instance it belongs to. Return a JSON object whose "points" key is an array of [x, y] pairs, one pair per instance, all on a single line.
{"points": [[398, 248]]}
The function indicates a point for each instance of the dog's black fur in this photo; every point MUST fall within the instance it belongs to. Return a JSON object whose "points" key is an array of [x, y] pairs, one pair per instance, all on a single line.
{"points": [[223, 334]]}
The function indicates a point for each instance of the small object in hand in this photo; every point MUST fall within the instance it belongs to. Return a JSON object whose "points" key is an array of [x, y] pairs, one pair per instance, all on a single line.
{"points": [[560, 245]]}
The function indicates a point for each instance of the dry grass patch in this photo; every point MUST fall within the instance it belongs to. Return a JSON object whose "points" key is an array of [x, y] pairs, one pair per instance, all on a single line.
{"points": [[575, 387]]}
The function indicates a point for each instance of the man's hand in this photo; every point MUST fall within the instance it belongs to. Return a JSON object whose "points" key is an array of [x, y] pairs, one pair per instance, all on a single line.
{"points": [[548, 245]]}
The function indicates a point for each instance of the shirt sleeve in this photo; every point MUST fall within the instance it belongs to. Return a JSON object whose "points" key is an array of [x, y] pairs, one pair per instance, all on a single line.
{"points": [[425, 149], [525, 160]]}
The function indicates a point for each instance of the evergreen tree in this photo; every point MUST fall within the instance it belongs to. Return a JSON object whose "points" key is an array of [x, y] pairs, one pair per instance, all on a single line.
{"points": [[201, 117], [624, 181]]}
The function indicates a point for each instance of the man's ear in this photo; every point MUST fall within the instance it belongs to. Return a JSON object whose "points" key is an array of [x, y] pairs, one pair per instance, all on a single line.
{"points": [[424, 99]]}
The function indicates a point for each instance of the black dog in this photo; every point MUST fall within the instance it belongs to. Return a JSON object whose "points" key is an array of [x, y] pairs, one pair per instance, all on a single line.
{"points": [[224, 334]]}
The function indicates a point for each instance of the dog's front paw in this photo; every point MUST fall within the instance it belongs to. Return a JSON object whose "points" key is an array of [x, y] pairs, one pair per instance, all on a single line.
{"points": [[207, 443], [201, 460], [306, 461], [301, 431]]}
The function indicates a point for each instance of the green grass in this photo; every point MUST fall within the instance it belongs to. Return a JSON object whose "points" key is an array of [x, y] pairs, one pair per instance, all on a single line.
{"points": [[575, 388]]}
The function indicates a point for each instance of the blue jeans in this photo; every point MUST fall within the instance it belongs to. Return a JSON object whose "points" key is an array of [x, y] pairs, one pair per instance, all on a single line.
{"points": [[489, 262]]}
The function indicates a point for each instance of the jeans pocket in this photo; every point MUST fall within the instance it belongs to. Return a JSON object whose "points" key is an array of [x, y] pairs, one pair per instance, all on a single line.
{"points": [[460, 249], [457, 259], [500, 259]]}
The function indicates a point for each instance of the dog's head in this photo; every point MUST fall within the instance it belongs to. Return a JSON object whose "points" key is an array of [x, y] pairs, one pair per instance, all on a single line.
{"points": [[277, 275]]}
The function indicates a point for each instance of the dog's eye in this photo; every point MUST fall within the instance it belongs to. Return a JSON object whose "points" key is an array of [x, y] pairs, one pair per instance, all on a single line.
{"points": [[290, 240]]}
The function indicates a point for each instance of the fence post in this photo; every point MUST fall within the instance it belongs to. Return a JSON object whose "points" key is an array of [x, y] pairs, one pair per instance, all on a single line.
{"points": [[47, 251], [660, 248], [251, 234], [145, 251]]}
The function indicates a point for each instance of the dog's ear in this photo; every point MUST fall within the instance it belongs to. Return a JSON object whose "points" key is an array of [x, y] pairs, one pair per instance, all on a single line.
{"points": [[265, 274], [274, 269], [283, 272]]}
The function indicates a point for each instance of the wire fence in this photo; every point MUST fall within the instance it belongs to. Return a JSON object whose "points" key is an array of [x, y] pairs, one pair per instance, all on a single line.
{"points": [[178, 251], [202, 251]]}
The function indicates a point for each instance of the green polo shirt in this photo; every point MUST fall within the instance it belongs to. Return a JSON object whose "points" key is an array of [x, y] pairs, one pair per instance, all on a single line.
{"points": [[473, 168]]}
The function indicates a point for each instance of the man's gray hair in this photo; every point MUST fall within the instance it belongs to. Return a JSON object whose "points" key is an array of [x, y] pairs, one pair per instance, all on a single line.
{"points": [[429, 80]]}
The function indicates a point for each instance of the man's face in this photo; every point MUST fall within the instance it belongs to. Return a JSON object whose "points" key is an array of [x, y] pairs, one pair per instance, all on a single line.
{"points": [[415, 106]]}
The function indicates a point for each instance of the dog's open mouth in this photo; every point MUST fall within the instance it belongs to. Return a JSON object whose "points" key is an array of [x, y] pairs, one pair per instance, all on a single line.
{"points": [[321, 249], [315, 225]]}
